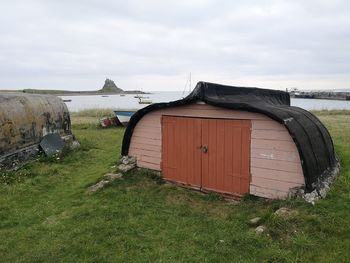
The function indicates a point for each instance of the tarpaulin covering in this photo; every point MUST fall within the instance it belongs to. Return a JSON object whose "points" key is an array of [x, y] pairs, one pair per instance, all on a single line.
{"points": [[311, 137]]}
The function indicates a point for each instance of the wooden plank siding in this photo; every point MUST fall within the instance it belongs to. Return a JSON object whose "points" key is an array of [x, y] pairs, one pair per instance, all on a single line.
{"points": [[274, 165]]}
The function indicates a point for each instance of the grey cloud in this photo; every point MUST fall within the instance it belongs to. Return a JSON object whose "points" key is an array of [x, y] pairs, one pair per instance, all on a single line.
{"points": [[161, 41]]}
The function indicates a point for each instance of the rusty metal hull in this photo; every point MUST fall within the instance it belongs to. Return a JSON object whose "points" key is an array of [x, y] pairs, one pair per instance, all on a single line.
{"points": [[26, 118]]}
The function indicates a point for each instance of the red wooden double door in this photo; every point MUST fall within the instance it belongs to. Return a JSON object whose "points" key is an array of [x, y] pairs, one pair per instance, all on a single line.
{"points": [[209, 154]]}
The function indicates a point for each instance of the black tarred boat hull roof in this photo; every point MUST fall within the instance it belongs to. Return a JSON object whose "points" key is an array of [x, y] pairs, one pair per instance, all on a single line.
{"points": [[311, 137]]}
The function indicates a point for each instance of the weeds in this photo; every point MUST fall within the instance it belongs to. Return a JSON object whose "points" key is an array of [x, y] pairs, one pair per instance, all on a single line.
{"points": [[16, 176], [96, 113]]}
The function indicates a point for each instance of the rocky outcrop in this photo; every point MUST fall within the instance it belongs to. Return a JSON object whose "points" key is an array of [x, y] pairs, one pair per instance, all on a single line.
{"points": [[109, 87]]}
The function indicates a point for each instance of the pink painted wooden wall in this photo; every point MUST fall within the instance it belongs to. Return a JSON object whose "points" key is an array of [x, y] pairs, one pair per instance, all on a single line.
{"points": [[274, 165]]}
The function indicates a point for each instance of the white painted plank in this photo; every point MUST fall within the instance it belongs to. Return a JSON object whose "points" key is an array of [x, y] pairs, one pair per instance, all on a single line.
{"points": [[273, 184], [272, 154], [267, 193], [268, 125], [147, 165], [276, 165], [274, 145], [297, 178], [271, 135]]}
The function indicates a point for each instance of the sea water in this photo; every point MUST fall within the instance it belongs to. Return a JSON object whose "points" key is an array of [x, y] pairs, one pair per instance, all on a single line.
{"points": [[128, 101]]}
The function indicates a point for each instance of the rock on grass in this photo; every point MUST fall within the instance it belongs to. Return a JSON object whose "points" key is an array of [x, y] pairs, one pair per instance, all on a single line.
{"points": [[285, 212], [260, 229], [109, 177], [254, 221]]}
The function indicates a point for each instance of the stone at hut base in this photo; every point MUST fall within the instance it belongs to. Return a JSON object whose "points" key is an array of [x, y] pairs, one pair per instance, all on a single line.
{"points": [[128, 160], [126, 167], [113, 177]]}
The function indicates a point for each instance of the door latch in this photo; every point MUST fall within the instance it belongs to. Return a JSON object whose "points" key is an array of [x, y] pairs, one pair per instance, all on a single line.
{"points": [[204, 149]]}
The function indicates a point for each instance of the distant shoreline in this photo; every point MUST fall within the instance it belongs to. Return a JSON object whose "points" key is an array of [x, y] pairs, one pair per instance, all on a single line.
{"points": [[312, 96], [78, 93], [97, 93]]}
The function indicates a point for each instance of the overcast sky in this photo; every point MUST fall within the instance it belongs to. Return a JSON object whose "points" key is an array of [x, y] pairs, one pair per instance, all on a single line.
{"points": [[154, 45]]}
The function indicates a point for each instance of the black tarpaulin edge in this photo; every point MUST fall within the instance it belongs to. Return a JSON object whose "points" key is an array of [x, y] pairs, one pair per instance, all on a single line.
{"points": [[311, 137]]}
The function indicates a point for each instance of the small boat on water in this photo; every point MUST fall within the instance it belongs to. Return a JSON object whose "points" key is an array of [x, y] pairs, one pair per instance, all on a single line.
{"points": [[140, 97], [105, 96], [68, 100], [124, 116], [144, 101]]}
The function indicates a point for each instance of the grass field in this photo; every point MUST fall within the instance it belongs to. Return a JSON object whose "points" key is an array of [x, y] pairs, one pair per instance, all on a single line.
{"points": [[46, 214]]}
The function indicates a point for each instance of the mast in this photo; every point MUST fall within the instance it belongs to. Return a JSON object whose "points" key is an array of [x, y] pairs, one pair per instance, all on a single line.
{"points": [[189, 83]]}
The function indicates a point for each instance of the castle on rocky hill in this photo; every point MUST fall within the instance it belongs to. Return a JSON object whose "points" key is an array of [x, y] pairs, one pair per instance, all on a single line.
{"points": [[110, 86]]}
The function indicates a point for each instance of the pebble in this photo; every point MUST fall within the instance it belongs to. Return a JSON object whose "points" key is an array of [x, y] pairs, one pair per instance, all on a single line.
{"points": [[126, 167], [254, 221], [260, 229], [285, 211]]}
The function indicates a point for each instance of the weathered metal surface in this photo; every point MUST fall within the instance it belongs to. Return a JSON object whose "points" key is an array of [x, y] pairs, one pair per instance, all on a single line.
{"points": [[26, 118], [52, 144]]}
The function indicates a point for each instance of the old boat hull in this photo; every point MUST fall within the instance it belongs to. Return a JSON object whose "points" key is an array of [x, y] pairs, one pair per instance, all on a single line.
{"points": [[25, 119]]}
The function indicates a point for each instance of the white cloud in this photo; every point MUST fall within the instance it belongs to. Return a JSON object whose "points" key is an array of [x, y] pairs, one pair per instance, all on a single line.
{"points": [[155, 44]]}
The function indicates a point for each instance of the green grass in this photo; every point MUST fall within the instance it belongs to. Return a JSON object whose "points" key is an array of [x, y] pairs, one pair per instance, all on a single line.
{"points": [[96, 113], [321, 113], [90, 116], [46, 214]]}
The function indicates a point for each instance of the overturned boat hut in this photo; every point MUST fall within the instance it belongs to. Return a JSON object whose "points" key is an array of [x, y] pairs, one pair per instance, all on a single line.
{"points": [[235, 141], [24, 120]]}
